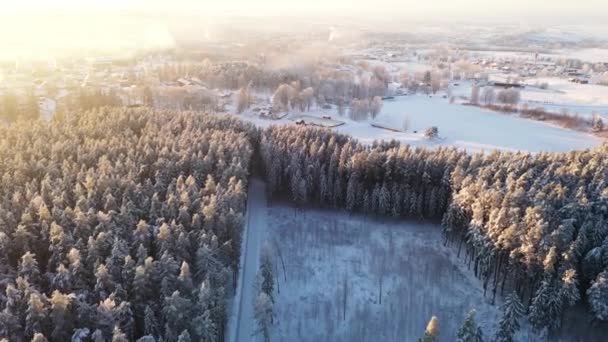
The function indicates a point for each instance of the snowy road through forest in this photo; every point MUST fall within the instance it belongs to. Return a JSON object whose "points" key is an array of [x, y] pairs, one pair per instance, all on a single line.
{"points": [[244, 324]]}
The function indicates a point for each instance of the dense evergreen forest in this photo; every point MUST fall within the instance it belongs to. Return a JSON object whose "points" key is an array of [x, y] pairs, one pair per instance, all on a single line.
{"points": [[531, 226], [121, 224], [124, 224]]}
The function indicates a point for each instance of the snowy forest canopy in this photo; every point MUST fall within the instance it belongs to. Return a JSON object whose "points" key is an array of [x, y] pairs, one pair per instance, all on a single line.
{"points": [[532, 225], [117, 224], [125, 224]]}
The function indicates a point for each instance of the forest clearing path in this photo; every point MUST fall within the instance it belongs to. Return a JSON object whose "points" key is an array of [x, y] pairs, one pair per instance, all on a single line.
{"points": [[253, 237]]}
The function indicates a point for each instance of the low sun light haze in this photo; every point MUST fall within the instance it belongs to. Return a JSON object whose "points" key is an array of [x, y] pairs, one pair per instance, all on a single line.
{"points": [[42, 28], [336, 7]]}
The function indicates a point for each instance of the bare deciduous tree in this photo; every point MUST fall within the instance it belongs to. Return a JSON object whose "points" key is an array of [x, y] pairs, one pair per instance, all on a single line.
{"points": [[243, 99], [376, 106], [306, 97], [475, 95], [488, 95]]}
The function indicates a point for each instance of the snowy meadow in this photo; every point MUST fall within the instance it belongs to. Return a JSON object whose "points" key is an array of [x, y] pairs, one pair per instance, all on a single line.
{"points": [[352, 278]]}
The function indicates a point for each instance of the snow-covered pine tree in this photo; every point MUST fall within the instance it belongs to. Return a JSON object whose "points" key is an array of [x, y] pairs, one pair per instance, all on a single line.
{"points": [[469, 331], [38, 337], [384, 200], [546, 304], [36, 319], [151, 326], [263, 312], [597, 296], [351, 193], [266, 272], [184, 337], [28, 268], [513, 309], [118, 335]]}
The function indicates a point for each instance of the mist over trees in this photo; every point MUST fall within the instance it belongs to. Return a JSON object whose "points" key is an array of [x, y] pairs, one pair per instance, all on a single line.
{"points": [[121, 224], [19, 106], [292, 88]]}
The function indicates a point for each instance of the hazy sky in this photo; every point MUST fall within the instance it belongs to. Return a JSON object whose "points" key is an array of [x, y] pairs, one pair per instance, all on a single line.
{"points": [[39, 28], [400, 8]]}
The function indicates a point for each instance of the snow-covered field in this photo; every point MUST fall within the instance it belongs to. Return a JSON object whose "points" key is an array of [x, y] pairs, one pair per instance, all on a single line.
{"points": [[471, 128], [584, 99], [593, 55], [477, 129], [326, 252]]}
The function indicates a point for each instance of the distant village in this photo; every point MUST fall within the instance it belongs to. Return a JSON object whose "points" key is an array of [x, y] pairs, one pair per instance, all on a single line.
{"points": [[164, 81], [58, 87]]}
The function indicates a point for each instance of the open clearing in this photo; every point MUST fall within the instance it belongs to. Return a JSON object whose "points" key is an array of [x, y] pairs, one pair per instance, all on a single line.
{"points": [[475, 129], [471, 128], [327, 252]]}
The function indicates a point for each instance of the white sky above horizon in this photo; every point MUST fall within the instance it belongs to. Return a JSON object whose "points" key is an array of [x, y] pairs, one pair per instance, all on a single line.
{"points": [[39, 28], [403, 8]]}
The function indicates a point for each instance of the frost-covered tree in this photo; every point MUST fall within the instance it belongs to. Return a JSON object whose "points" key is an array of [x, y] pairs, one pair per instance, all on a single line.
{"points": [[184, 337], [242, 99], [469, 331], [597, 296], [597, 124], [38, 337], [431, 334], [475, 95], [431, 132], [513, 309], [118, 335], [264, 316], [375, 106], [488, 95], [266, 272], [80, 335]]}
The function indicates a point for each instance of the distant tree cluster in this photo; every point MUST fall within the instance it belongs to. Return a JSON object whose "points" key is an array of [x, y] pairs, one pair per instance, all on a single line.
{"points": [[508, 96], [535, 225], [19, 107], [292, 96], [362, 109], [294, 89], [334, 170], [88, 98], [119, 225]]}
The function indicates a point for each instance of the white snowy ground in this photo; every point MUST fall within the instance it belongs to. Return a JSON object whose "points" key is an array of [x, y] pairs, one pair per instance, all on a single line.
{"points": [[591, 55], [471, 128], [584, 99], [421, 278]]}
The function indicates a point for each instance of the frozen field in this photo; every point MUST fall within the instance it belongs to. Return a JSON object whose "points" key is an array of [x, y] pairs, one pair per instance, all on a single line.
{"points": [[594, 55], [467, 127], [336, 264], [477, 129], [577, 98]]}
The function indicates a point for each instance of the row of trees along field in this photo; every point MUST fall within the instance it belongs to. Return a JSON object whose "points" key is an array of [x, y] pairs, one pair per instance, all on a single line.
{"points": [[325, 81], [120, 224], [535, 225]]}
